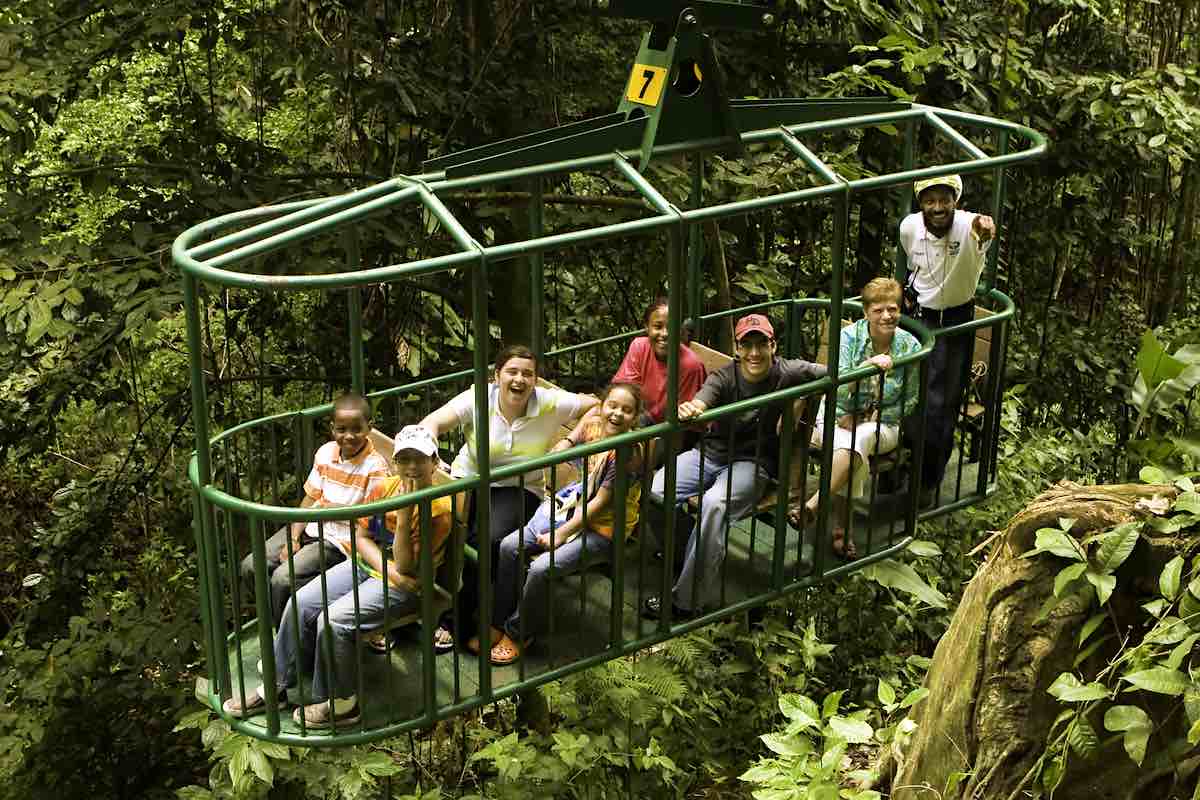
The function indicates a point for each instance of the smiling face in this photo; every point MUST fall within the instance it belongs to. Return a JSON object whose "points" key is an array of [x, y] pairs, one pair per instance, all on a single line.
{"points": [[883, 317], [414, 464], [619, 411], [516, 378], [656, 332], [937, 207], [755, 353], [350, 429]]}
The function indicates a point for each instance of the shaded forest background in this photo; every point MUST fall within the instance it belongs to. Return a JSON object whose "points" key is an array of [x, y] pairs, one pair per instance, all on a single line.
{"points": [[126, 122]]}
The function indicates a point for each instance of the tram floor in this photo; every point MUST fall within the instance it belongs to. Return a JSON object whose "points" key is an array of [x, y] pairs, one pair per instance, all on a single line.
{"points": [[581, 613], [581, 622]]}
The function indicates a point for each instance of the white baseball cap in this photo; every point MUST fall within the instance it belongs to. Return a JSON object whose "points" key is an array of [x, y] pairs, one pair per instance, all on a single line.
{"points": [[415, 437], [953, 182]]}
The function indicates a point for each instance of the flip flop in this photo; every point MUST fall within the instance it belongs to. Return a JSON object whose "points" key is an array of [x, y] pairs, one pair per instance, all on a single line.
{"points": [[506, 651], [443, 641], [843, 545]]}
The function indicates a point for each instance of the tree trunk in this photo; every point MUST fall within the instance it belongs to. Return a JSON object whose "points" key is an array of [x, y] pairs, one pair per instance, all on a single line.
{"points": [[988, 714]]}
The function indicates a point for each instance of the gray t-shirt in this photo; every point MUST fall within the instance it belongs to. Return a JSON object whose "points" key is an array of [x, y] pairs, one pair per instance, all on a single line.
{"points": [[726, 385]]}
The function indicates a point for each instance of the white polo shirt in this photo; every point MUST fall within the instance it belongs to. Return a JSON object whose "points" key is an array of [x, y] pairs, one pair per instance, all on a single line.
{"points": [[527, 437], [945, 270]]}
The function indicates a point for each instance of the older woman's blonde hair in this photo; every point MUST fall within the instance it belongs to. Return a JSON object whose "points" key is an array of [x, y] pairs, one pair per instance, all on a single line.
{"points": [[881, 290]]}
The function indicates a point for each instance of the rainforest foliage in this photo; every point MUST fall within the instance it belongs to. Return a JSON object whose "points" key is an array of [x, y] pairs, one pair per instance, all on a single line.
{"points": [[125, 122]]}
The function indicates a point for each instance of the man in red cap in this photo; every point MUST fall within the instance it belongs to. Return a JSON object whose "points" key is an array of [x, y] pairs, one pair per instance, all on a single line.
{"points": [[733, 461]]}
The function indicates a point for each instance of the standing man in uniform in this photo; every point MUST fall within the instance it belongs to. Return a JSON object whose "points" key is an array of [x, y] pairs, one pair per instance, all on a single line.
{"points": [[946, 250]]}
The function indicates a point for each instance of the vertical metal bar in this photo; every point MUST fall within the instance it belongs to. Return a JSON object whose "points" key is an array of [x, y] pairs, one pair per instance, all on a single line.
{"points": [[359, 688], [536, 266], [483, 461], [210, 591], [428, 667], [211, 644], [328, 664], [671, 415], [841, 222], [695, 297], [903, 195], [992, 407], [617, 547], [262, 604], [354, 308], [998, 198]]}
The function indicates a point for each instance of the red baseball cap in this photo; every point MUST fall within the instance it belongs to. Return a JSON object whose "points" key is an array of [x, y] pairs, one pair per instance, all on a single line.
{"points": [[751, 323]]}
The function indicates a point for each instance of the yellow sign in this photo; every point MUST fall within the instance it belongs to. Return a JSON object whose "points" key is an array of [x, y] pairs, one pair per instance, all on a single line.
{"points": [[646, 84]]}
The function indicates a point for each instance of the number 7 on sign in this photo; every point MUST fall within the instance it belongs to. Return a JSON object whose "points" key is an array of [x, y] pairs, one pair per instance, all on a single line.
{"points": [[645, 84]]}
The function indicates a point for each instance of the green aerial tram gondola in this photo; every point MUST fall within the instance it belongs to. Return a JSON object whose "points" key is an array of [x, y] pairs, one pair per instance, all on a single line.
{"points": [[673, 111]]}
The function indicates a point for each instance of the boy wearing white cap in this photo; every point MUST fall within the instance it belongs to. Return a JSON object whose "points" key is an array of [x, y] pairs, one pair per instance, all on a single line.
{"points": [[946, 249]]}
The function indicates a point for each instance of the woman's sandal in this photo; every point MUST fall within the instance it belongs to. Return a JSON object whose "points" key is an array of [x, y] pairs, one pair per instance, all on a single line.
{"points": [[506, 651], [473, 642], [801, 516], [844, 546]]}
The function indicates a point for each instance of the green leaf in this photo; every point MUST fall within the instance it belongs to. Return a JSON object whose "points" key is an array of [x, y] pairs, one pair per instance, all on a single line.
{"points": [[1050, 540], [261, 766], [787, 744], [1068, 689], [1157, 140], [885, 692], [832, 701], [1193, 736], [1168, 581], [1136, 725], [800, 710], [1153, 363], [1160, 680], [855, 731], [1115, 547], [897, 575], [1152, 475], [1188, 502], [1181, 651], [914, 697], [1104, 585], [1090, 626], [1066, 576], [1168, 630], [1082, 737], [926, 549]]}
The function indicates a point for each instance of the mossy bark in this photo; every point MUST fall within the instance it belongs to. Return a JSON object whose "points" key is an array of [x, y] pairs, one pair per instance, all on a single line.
{"points": [[988, 714]]}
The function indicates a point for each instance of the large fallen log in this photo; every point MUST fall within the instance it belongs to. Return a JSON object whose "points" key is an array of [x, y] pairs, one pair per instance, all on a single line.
{"points": [[982, 731]]}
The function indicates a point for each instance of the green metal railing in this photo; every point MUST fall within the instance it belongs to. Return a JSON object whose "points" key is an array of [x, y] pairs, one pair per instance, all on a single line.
{"points": [[222, 252]]}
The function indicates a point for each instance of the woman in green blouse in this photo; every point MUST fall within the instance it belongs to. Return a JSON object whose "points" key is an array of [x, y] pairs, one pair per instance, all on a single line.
{"points": [[868, 414]]}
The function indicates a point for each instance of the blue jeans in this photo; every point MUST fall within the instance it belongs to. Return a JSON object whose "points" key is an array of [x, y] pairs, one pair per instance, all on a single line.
{"points": [[528, 613], [730, 492], [313, 631]]}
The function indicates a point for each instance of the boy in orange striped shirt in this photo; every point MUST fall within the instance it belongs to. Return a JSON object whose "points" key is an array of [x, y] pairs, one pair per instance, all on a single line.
{"points": [[344, 471]]}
